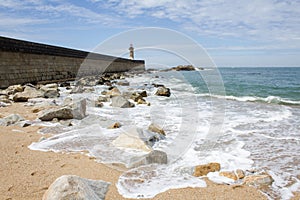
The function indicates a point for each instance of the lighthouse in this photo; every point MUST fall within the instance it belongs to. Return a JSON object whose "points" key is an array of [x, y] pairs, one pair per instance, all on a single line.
{"points": [[131, 52]]}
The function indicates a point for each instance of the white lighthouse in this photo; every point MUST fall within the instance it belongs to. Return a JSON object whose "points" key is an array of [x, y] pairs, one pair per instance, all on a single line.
{"points": [[131, 52]]}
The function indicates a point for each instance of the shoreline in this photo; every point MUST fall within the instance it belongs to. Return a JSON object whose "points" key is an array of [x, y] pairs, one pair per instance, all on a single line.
{"points": [[27, 174]]}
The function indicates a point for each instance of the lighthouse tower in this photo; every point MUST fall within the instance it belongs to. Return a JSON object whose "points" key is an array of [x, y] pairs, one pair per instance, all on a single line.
{"points": [[131, 52]]}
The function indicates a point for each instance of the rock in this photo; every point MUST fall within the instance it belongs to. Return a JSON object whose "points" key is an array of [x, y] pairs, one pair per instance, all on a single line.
{"points": [[135, 138], [228, 174], [28, 93], [121, 102], [113, 92], [240, 173], [50, 90], [202, 170], [75, 110], [104, 92], [142, 101], [75, 187], [4, 98], [135, 96], [123, 83], [154, 157], [78, 108], [59, 113], [157, 129], [157, 156], [102, 99], [77, 89], [157, 85], [65, 84], [184, 68], [163, 91], [12, 119], [13, 89], [99, 104], [258, 180], [131, 141], [143, 93], [115, 125], [235, 175]]}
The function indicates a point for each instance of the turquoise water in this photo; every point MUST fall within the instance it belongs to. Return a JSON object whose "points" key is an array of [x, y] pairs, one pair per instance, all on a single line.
{"points": [[280, 85]]}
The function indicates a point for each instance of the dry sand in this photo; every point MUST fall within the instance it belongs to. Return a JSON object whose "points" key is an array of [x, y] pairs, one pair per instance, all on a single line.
{"points": [[26, 174]]}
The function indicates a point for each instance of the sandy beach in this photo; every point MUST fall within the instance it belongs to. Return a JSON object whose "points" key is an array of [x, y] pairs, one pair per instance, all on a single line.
{"points": [[27, 174]]}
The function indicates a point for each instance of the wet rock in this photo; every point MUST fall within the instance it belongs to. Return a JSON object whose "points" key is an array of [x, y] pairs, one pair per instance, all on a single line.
{"points": [[154, 157], [235, 175], [163, 91], [77, 89], [135, 96], [157, 129], [135, 138], [75, 187], [142, 101], [143, 93], [123, 83], [157, 156], [114, 125], [258, 180], [75, 110], [121, 102], [12, 119], [28, 93], [202, 170], [113, 92]]}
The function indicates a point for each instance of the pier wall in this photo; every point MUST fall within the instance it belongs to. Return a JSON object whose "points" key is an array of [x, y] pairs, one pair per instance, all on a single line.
{"points": [[28, 62]]}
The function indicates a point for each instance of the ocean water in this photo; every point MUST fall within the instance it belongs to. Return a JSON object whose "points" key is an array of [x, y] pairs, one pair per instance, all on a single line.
{"points": [[248, 120]]}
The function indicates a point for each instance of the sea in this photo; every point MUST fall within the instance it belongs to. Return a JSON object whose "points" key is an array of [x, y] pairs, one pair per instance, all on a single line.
{"points": [[243, 118]]}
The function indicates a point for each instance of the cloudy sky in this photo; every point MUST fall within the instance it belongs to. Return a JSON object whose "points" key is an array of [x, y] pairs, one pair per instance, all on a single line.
{"points": [[233, 32]]}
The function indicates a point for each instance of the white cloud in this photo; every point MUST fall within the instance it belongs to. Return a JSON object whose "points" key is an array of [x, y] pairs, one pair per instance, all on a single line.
{"points": [[268, 18]]}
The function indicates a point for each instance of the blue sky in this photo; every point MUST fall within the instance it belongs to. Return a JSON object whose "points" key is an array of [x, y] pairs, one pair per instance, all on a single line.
{"points": [[234, 33]]}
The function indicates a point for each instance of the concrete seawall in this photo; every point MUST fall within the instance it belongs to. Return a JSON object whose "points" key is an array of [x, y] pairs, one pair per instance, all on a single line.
{"points": [[27, 62]]}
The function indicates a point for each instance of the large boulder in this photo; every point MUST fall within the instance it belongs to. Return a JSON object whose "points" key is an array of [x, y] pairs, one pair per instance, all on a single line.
{"points": [[121, 102], [75, 110], [163, 91], [28, 93], [202, 170], [75, 187]]}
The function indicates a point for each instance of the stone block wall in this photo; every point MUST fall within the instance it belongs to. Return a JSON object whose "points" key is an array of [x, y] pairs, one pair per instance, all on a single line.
{"points": [[27, 62]]}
